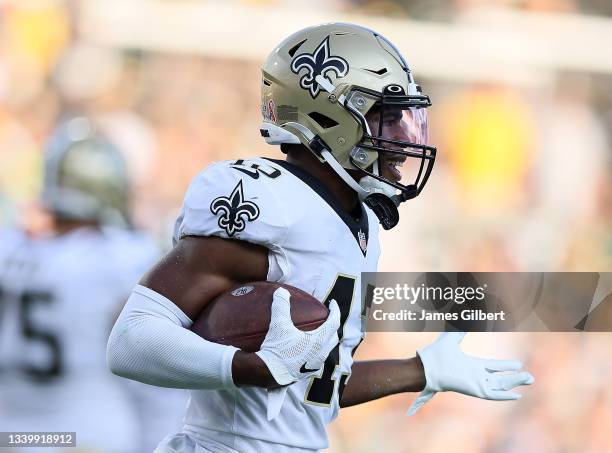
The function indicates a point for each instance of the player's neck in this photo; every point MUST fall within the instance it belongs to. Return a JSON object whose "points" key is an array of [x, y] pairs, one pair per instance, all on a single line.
{"points": [[303, 158]]}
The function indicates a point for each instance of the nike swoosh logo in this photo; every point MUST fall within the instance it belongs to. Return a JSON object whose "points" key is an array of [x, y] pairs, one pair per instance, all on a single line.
{"points": [[303, 369]]}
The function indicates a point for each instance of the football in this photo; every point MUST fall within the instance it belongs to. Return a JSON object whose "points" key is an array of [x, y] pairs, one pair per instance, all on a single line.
{"points": [[241, 316]]}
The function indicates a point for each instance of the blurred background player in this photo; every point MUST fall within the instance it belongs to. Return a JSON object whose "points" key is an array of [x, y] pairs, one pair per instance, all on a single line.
{"points": [[60, 291]]}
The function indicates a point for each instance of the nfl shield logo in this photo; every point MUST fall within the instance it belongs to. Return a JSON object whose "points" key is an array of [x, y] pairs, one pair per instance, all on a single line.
{"points": [[363, 243], [242, 291]]}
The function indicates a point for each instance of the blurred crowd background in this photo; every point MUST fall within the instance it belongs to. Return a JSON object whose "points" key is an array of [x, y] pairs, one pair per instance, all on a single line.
{"points": [[522, 118]]}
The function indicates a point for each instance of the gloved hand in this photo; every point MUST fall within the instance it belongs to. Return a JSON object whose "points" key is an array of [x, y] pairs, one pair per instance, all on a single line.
{"points": [[291, 354], [447, 368]]}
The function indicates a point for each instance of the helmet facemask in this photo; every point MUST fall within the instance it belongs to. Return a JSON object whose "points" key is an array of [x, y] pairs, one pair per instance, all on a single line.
{"points": [[393, 153]]}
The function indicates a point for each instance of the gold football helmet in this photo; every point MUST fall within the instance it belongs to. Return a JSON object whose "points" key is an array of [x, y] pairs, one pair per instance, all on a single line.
{"points": [[318, 86], [86, 176]]}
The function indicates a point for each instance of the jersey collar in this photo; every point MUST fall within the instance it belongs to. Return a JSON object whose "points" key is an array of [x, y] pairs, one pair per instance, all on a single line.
{"points": [[359, 227]]}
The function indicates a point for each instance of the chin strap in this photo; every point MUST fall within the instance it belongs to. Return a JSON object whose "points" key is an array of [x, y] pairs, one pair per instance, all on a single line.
{"points": [[382, 203], [341, 171], [373, 185]]}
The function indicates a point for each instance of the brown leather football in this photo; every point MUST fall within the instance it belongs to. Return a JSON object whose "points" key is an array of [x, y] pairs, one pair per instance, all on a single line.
{"points": [[240, 317]]}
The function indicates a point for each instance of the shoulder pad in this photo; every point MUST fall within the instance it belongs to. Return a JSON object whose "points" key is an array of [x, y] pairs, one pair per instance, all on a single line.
{"points": [[233, 199]]}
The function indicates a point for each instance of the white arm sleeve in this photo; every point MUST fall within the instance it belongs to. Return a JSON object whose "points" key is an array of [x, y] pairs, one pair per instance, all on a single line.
{"points": [[151, 343]]}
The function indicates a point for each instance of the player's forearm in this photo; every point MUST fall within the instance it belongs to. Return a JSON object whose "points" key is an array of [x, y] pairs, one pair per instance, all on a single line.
{"points": [[375, 379], [150, 343]]}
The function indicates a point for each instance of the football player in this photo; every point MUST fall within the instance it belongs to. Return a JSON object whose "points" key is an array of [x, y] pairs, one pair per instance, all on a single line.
{"points": [[60, 294], [342, 103]]}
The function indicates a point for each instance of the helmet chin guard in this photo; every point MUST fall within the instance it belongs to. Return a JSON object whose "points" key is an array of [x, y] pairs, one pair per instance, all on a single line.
{"points": [[374, 185], [384, 208], [381, 200]]}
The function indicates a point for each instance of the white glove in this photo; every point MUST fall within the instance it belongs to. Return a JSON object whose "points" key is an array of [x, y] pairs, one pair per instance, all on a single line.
{"points": [[291, 354], [447, 368]]}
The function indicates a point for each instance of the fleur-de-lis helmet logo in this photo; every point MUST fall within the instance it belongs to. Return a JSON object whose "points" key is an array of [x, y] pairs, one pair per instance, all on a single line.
{"points": [[318, 63], [234, 211]]}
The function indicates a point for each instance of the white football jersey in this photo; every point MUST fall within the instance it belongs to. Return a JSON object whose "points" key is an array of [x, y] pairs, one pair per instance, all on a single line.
{"points": [[313, 245], [58, 299]]}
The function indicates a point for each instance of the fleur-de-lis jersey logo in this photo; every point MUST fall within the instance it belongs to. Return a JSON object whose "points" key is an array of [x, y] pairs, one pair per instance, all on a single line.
{"points": [[234, 211], [318, 63]]}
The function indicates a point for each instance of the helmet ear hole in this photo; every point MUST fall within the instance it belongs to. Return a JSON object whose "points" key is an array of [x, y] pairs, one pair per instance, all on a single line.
{"points": [[322, 120]]}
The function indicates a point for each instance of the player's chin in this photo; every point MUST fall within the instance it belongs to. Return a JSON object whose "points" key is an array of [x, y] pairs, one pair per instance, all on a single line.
{"points": [[390, 173]]}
